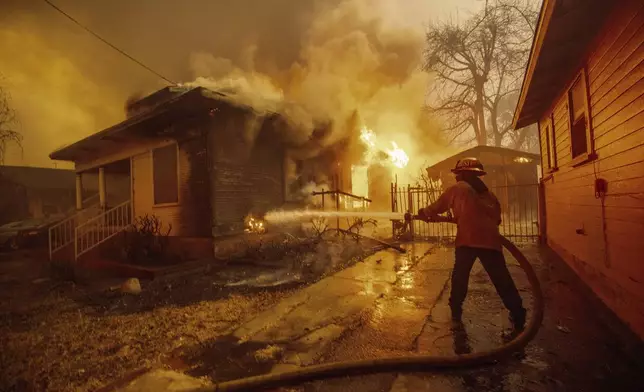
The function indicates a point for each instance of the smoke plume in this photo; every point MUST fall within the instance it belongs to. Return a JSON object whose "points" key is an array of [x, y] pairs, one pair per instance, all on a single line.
{"points": [[316, 62], [349, 62]]}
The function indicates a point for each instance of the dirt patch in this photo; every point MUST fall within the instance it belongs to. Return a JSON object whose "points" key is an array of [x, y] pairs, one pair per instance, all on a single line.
{"points": [[62, 344], [60, 336]]}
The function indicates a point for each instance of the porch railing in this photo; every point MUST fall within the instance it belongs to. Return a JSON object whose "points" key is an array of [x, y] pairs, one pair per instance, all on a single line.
{"points": [[100, 228], [62, 233]]}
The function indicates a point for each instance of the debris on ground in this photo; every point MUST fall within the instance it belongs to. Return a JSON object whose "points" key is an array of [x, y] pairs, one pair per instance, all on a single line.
{"points": [[270, 353], [59, 335], [131, 286]]}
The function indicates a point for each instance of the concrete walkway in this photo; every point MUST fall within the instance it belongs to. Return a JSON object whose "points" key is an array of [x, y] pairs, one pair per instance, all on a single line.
{"points": [[390, 305], [300, 329]]}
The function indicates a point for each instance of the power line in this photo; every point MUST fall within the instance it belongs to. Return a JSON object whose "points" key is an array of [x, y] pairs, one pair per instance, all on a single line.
{"points": [[107, 43]]}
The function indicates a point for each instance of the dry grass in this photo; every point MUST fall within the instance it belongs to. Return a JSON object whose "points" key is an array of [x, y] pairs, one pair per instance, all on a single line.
{"points": [[59, 344], [58, 336]]}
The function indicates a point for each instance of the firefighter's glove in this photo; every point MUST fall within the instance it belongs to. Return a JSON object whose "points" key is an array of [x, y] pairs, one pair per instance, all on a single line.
{"points": [[424, 215]]}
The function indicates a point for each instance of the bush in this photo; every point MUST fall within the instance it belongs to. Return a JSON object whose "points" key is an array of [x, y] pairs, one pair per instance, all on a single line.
{"points": [[145, 240]]}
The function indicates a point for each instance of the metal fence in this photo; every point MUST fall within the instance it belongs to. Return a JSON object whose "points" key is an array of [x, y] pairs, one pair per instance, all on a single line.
{"points": [[519, 206], [340, 201]]}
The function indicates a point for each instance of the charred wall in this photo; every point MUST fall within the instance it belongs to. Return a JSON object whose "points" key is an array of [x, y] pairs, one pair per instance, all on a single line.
{"points": [[247, 168], [330, 168], [194, 190]]}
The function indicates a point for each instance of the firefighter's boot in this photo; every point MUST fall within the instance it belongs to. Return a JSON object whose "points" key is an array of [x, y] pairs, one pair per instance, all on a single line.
{"points": [[517, 320], [457, 317]]}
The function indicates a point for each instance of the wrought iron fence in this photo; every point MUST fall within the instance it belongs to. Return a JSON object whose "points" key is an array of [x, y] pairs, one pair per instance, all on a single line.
{"points": [[340, 201], [519, 206]]}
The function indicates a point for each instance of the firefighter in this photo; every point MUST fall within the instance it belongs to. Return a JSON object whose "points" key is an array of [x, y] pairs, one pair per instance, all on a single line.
{"points": [[477, 213]]}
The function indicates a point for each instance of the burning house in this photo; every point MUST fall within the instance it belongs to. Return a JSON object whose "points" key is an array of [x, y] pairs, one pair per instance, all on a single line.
{"points": [[325, 163], [195, 159], [378, 167], [201, 163]]}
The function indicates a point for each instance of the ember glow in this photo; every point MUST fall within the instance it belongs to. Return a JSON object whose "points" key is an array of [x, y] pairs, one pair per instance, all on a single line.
{"points": [[254, 225]]}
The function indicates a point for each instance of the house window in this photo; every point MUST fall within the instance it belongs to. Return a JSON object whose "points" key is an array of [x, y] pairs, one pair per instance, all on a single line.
{"points": [[580, 139], [551, 149], [548, 149], [165, 174]]}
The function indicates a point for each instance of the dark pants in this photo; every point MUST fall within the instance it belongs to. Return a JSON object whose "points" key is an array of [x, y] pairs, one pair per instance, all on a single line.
{"points": [[494, 263]]}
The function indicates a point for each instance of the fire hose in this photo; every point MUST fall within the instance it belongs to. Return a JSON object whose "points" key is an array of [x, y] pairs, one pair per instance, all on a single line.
{"points": [[411, 363]]}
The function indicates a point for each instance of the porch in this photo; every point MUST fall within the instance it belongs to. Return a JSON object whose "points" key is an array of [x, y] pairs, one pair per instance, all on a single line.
{"points": [[117, 156], [99, 215]]}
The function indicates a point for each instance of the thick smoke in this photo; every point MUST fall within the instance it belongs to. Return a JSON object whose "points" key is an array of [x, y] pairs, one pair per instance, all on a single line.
{"points": [[316, 61], [350, 62]]}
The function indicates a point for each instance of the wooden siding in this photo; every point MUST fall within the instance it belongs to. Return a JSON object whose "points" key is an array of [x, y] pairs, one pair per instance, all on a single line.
{"points": [[247, 169], [186, 216], [602, 240]]}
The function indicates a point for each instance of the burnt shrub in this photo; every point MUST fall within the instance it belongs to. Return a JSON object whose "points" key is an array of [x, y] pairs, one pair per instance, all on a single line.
{"points": [[146, 241]]}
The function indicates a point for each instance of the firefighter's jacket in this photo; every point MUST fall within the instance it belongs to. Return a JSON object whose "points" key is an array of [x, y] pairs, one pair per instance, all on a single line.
{"points": [[477, 215]]}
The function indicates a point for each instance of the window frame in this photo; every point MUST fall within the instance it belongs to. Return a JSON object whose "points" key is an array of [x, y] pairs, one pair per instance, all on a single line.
{"points": [[590, 154], [551, 143], [174, 203]]}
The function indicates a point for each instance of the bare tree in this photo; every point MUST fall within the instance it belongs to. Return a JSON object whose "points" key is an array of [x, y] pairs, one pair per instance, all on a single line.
{"points": [[478, 67], [8, 124]]}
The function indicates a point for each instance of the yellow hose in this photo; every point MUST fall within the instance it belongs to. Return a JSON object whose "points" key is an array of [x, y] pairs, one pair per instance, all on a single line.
{"points": [[411, 363]]}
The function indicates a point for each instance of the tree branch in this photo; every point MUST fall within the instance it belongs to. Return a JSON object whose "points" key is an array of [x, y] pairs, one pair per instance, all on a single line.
{"points": [[8, 125]]}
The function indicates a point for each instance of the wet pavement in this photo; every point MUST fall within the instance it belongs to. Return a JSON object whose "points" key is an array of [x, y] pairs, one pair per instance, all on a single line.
{"points": [[393, 305]]}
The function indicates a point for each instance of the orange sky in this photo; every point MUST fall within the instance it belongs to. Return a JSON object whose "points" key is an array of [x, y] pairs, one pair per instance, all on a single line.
{"points": [[66, 84]]}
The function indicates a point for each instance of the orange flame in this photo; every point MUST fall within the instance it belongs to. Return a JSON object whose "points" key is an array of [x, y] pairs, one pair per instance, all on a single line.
{"points": [[397, 156], [254, 225]]}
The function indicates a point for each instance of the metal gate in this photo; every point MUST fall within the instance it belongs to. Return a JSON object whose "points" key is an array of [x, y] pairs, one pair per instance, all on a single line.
{"points": [[519, 206]]}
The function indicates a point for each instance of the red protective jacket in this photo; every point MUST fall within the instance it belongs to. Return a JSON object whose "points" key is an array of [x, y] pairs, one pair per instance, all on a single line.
{"points": [[477, 215]]}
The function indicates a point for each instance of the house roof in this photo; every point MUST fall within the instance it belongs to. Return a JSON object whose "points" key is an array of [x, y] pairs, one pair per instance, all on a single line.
{"points": [[565, 32], [484, 150], [162, 108], [39, 178]]}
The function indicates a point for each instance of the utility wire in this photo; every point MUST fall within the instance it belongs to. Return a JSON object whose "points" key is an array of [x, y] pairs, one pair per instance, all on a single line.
{"points": [[107, 43]]}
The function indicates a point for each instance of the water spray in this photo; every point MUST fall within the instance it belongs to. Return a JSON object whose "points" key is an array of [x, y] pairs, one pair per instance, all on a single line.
{"points": [[278, 217], [411, 363]]}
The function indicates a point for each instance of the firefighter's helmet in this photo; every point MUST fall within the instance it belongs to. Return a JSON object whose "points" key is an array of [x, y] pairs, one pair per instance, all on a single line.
{"points": [[472, 165]]}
